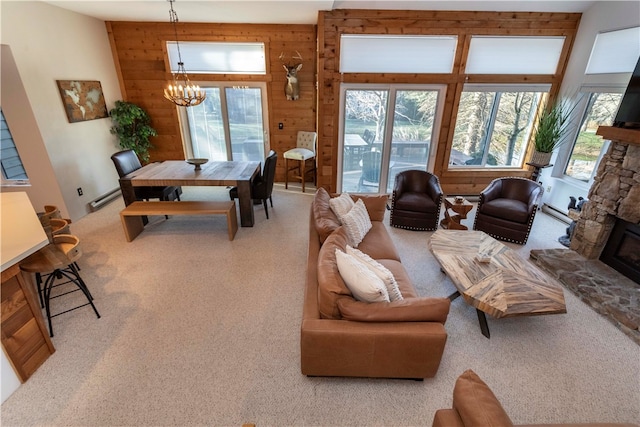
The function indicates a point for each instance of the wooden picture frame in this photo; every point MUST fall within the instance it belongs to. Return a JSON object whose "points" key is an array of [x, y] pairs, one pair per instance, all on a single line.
{"points": [[83, 100]]}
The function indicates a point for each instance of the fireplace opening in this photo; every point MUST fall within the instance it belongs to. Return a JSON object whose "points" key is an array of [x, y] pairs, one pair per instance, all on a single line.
{"points": [[622, 251]]}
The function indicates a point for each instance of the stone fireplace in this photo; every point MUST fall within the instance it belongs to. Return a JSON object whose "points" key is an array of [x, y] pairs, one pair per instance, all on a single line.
{"points": [[615, 193]]}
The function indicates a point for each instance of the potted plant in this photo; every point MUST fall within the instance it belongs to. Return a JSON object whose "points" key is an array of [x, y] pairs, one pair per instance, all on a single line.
{"points": [[551, 130], [132, 126]]}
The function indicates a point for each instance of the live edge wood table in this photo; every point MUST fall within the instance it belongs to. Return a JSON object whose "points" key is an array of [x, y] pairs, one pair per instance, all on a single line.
{"points": [[181, 173], [493, 278], [459, 210]]}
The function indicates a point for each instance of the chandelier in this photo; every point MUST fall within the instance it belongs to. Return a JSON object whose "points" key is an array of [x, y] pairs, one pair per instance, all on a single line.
{"points": [[181, 91]]}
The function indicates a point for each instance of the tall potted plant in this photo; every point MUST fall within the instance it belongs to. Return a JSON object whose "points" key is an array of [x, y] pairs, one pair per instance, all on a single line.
{"points": [[131, 124], [551, 130]]}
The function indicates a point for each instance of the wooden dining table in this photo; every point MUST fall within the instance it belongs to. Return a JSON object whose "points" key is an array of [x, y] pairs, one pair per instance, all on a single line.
{"points": [[181, 173]]}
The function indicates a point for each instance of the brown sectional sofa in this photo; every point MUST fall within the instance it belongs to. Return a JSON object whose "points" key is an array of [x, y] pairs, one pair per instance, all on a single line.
{"points": [[475, 405], [341, 336]]}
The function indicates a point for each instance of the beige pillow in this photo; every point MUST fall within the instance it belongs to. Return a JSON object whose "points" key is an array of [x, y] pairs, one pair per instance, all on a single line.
{"points": [[362, 282], [357, 223], [380, 270], [341, 205]]}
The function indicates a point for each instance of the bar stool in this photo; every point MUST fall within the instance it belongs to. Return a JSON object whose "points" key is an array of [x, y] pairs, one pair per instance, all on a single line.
{"points": [[57, 261]]}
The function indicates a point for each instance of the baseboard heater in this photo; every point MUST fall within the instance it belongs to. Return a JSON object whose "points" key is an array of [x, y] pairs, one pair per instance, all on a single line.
{"points": [[104, 199], [555, 212]]}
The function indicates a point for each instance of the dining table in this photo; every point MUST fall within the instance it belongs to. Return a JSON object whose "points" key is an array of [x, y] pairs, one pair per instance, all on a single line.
{"points": [[180, 173]]}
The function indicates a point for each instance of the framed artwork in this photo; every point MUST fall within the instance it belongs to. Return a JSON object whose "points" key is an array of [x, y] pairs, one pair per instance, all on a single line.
{"points": [[82, 99]]}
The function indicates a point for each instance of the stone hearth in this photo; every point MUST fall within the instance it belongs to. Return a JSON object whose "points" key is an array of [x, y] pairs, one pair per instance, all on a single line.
{"points": [[601, 287]]}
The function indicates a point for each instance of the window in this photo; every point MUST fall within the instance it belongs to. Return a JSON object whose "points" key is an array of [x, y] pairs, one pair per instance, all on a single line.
{"points": [[12, 168], [588, 148], [382, 53], [493, 125], [229, 125], [615, 52], [514, 55], [219, 57], [385, 130]]}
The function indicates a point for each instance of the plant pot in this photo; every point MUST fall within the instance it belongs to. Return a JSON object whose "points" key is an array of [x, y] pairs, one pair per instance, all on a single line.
{"points": [[539, 158]]}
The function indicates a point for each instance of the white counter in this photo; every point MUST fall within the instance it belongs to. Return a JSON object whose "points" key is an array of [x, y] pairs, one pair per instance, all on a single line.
{"points": [[21, 233]]}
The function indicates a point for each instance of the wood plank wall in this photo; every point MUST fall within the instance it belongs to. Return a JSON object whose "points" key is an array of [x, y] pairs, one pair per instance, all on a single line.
{"points": [[139, 52], [332, 24]]}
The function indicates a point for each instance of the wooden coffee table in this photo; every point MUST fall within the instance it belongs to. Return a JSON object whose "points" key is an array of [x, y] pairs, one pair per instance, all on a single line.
{"points": [[493, 278]]}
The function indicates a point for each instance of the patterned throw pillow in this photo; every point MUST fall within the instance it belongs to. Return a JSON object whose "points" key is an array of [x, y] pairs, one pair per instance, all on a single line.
{"points": [[362, 282], [341, 205], [357, 223], [379, 270]]}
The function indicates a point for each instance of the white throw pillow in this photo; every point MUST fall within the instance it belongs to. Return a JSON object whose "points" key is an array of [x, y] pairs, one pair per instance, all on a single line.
{"points": [[379, 270], [341, 205], [362, 282], [357, 223]]}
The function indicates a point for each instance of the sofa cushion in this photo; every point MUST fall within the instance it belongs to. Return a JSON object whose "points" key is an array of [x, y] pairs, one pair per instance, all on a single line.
{"points": [[476, 404], [378, 244], [379, 270], [356, 223], [361, 281], [331, 287], [341, 205], [407, 310], [325, 220], [376, 205]]}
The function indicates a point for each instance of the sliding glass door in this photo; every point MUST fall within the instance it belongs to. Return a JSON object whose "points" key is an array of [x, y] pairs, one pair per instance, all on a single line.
{"points": [[229, 125], [385, 129]]}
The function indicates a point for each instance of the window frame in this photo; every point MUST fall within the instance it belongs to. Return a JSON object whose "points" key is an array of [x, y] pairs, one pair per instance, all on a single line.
{"points": [[564, 154], [499, 88]]}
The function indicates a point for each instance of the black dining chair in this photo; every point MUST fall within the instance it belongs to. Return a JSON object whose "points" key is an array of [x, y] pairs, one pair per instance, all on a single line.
{"points": [[126, 162], [262, 186]]}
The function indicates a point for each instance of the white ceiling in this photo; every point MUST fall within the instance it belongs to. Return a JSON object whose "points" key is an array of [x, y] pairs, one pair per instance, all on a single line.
{"points": [[287, 11]]}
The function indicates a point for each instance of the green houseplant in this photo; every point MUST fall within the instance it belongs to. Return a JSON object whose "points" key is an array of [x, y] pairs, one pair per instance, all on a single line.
{"points": [[131, 124], [551, 130]]}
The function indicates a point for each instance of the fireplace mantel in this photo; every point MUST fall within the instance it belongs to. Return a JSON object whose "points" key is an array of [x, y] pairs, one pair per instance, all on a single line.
{"points": [[632, 136]]}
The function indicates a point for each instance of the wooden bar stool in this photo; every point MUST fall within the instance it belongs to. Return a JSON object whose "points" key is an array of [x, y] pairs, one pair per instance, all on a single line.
{"points": [[57, 261], [305, 151]]}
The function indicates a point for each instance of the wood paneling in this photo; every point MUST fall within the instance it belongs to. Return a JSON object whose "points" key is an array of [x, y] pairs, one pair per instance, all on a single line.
{"points": [[139, 51], [332, 24]]}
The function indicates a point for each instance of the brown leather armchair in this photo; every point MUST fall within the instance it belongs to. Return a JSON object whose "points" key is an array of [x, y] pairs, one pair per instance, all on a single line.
{"points": [[507, 207], [417, 197]]}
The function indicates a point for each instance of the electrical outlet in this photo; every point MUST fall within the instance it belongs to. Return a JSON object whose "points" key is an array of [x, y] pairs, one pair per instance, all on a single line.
{"points": [[80, 191], [548, 189]]}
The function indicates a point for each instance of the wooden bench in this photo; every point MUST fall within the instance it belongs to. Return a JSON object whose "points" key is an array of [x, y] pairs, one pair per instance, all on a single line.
{"points": [[131, 216]]}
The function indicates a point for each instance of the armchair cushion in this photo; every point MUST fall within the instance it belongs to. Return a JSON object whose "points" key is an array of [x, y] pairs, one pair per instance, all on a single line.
{"points": [[415, 202], [509, 209], [476, 404]]}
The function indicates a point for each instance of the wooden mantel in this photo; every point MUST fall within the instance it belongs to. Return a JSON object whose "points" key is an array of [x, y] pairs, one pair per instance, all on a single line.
{"points": [[632, 136]]}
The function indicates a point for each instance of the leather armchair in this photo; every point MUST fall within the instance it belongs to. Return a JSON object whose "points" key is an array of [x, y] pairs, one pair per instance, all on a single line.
{"points": [[507, 207], [417, 197]]}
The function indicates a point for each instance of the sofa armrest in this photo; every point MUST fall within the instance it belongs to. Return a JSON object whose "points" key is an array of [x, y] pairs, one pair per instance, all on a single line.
{"points": [[447, 418], [407, 310]]}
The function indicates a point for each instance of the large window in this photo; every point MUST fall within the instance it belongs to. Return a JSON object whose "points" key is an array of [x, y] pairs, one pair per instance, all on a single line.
{"points": [[229, 125], [386, 129], [493, 125], [588, 148]]}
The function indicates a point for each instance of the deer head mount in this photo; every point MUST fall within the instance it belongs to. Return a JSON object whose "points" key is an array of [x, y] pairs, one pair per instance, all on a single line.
{"points": [[292, 86]]}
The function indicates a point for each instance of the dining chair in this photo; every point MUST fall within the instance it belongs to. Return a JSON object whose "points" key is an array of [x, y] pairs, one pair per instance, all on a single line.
{"points": [[56, 261], [305, 150], [262, 186], [127, 161]]}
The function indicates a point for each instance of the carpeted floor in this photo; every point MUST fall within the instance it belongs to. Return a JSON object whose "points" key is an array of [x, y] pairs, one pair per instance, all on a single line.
{"points": [[200, 330]]}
